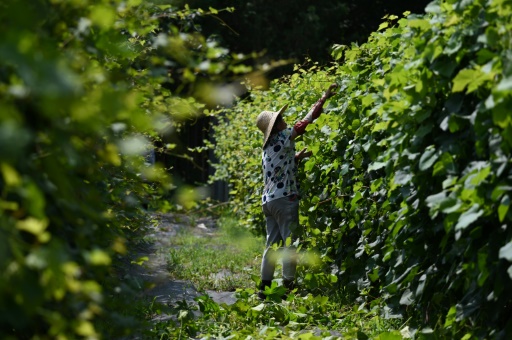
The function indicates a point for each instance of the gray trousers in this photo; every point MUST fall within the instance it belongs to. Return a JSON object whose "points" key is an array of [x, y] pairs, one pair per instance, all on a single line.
{"points": [[282, 218]]}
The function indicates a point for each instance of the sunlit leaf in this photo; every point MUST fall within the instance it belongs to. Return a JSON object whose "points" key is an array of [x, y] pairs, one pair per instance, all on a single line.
{"points": [[468, 217], [259, 307], [33, 225], [98, 257], [505, 84], [428, 158], [376, 166], [407, 298], [394, 335], [103, 16], [140, 261], [383, 26], [503, 208], [11, 176], [470, 78], [85, 328], [506, 252]]}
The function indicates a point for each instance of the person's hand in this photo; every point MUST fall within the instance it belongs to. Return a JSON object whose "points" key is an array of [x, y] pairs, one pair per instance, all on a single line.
{"points": [[303, 154], [329, 93]]}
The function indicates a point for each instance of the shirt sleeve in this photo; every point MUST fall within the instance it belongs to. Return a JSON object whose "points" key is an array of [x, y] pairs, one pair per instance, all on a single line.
{"points": [[314, 113], [300, 127], [316, 110]]}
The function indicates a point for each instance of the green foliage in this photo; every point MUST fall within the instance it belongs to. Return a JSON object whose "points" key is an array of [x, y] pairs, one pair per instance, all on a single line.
{"points": [[85, 87], [299, 317], [407, 194]]}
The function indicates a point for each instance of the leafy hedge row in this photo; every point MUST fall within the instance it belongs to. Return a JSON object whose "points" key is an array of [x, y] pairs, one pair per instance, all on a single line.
{"points": [[407, 194], [84, 87]]}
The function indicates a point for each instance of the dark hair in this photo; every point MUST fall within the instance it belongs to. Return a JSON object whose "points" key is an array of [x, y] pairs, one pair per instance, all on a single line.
{"points": [[274, 128]]}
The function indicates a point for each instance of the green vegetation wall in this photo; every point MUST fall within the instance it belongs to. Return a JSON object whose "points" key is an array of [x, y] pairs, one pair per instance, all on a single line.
{"points": [[408, 191], [85, 88]]}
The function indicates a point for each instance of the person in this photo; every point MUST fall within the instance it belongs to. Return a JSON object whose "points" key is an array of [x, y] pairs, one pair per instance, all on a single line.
{"points": [[280, 198]]}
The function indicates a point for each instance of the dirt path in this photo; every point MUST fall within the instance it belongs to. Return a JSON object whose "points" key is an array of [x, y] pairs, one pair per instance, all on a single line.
{"points": [[157, 283], [154, 278]]}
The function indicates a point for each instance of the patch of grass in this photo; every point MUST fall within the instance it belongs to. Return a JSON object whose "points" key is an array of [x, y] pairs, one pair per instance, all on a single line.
{"points": [[224, 260]]}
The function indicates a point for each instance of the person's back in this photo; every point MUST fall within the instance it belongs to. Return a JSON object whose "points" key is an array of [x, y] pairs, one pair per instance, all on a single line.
{"points": [[279, 167], [280, 198]]}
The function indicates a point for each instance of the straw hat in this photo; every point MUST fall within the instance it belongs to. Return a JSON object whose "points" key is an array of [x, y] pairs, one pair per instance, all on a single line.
{"points": [[266, 121]]}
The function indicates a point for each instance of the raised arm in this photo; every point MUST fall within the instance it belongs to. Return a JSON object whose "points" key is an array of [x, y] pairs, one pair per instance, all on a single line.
{"points": [[300, 127]]}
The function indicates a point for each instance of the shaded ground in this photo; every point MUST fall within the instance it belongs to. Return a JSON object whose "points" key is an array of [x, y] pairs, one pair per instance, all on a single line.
{"points": [[157, 284]]}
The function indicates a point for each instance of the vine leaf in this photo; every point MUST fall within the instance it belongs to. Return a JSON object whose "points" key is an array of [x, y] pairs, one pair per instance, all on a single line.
{"points": [[506, 252], [469, 78], [503, 208], [428, 158], [468, 217], [407, 298]]}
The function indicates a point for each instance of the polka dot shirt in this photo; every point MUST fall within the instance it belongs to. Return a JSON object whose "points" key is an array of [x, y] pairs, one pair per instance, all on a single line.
{"points": [[279, 168]]}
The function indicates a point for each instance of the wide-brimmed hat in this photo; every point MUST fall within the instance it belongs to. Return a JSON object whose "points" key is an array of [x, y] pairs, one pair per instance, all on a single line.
{"points": [[266, 121]]}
